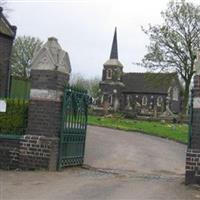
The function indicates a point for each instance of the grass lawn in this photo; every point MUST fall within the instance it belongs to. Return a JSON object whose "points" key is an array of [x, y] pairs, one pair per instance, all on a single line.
{"points": [[177, 132]]}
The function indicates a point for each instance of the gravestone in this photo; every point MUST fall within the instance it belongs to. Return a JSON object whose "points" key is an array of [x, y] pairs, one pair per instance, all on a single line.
{"points": [[193, 151], [50, 71]]}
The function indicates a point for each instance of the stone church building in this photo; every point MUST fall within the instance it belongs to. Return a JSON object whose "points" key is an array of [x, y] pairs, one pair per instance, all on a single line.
{"points": [[7, 35], [140, 93]]}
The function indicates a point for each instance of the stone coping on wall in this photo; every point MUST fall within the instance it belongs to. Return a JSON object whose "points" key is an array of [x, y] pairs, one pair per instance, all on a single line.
{"points": [[10, 136]]}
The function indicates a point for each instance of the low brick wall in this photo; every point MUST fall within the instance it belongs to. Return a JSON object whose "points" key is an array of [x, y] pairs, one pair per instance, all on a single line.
{"points": [[9, 153], [37, 152], [192, 166], [29, 152]]}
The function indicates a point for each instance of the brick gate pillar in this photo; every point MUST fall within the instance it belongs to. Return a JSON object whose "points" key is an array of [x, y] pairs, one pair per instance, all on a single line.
{"points": [[192, 175], [50, 71]]}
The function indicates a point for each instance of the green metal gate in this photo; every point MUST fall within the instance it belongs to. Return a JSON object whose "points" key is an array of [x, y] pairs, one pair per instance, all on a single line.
{"points": [[73, 127]]}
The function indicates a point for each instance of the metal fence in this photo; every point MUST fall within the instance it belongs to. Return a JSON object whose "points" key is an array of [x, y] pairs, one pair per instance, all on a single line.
{"points": [[13, 121]]}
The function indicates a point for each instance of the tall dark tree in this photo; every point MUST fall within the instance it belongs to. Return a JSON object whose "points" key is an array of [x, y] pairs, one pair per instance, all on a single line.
{"points": [[23, 51], [174, 44]]}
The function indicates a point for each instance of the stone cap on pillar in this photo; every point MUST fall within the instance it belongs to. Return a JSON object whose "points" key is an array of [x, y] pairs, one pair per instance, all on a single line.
{"points": [[51, 57], [197, 64]]}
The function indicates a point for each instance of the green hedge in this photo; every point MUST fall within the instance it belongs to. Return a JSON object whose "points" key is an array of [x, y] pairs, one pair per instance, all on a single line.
{"points": [[14, 120]]}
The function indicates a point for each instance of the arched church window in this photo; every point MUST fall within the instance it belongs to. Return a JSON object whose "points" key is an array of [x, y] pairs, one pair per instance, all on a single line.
{"points": [[118, 74], [144, 100], [128, 100], [110, 99], [108, 73], [102, 99], [169, 91], [159, 101], [175, 94]]}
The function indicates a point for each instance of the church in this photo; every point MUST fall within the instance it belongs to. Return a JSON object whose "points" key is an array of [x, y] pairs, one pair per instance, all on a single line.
{"points": [[151, 94]]}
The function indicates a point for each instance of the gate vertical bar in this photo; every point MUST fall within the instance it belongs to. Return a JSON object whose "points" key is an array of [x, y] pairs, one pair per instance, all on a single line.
{"points": [[61, 131]]}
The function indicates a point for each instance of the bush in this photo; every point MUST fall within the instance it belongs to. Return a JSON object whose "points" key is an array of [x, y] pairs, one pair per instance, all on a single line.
{"points": [[14, 120]]}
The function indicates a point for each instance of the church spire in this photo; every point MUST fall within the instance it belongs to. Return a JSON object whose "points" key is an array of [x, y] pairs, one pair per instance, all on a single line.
{"points": [[114, 50]]}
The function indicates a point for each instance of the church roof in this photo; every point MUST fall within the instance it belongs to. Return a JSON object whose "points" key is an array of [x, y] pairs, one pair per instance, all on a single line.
{"points": [[113, 61], [5, 27], [114, 49], [148, 82]]}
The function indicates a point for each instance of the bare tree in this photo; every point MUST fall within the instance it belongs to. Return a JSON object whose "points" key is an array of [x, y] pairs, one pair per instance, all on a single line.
{"points": [[23, 51]]}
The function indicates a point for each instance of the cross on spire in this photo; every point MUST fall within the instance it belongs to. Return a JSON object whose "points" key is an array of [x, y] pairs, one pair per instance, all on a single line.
{"points": [[114, 49]]}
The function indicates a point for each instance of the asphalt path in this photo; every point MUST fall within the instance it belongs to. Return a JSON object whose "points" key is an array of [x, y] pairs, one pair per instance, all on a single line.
{"points": [[118, 165], [121, 150]]}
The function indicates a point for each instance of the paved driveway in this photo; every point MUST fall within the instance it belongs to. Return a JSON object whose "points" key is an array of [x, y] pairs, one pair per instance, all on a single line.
{"points": [[115, 149], [119, 165]]}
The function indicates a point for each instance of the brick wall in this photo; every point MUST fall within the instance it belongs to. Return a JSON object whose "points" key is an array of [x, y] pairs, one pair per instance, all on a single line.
{"points": [[196, 82], [9, 153], [39, 147], [29, 152], [44, 118], [192, 175], [193, 166], [37, 152], [5, 51], [195, 139], [47, 79]]}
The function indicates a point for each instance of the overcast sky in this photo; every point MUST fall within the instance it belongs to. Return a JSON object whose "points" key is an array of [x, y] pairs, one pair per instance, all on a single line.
{"points": [[85, 28]]}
